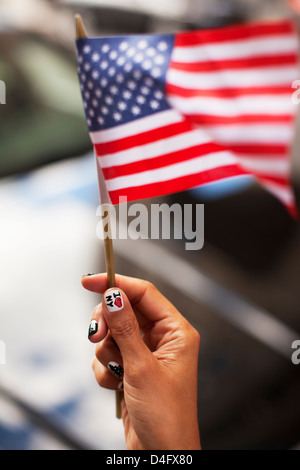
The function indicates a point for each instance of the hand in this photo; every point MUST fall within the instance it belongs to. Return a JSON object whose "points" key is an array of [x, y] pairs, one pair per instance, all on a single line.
{"points": [[154, 354]]}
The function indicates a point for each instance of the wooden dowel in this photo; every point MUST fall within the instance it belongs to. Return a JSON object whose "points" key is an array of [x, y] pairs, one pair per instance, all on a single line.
{"points": [[108, 246]]}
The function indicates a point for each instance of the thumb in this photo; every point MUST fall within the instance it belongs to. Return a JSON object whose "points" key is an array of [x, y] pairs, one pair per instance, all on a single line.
{"points": [[124, 327]]}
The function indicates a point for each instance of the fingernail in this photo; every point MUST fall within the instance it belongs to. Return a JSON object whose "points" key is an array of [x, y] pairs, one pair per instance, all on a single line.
{"points": [[113, 300], [115, 368], [93, 328], [121, 386], [88, 274]]}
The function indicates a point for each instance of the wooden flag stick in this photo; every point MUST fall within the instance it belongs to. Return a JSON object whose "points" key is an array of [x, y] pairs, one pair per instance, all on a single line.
{"points": [[108, 246]]}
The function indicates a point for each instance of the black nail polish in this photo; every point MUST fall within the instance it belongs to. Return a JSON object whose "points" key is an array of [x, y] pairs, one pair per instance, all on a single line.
{"points": [[116, 369], [93, 328], [88, 274]]}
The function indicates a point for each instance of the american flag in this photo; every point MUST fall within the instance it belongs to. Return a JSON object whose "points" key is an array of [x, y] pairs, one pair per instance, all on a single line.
{"points": [[167, 113]]}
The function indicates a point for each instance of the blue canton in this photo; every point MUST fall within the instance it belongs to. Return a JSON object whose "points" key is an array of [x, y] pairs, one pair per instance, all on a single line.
{"points": [[123, 78]]}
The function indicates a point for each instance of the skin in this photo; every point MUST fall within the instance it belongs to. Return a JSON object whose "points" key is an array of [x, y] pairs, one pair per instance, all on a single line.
{"points": [[158, 349]]}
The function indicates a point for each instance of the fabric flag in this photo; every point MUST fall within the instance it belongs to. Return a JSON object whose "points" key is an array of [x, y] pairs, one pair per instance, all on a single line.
{"points": [[170, 112]]}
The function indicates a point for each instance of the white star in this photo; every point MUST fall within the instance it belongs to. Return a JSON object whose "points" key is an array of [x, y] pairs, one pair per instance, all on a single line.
{"points": [[87, 49], [142, 44], [89, 122], [130, 52], [91, 112], [162, 46], [131, 85], [123, 46], [114, 89], [87, 94], [83, 77], [95, 103], [156, 72], [113, 55], [117, 116], [120, 78], [80, 59], [95, 74], [122, 106], [90, 85], [135, 110], [98, 93], [151, 52], [145, 90], [103, 81], [108, 100], [137, 74], [100, 120], [159, 60], [139, 57], [149, 81], [154, 104], [104, 64], [128, 67], [95, 57], [141, 99], [105, 48], [127, 94], [111, 71], [87, 66], [158, 94], [104, 110], [147, 64], [121, 60]]}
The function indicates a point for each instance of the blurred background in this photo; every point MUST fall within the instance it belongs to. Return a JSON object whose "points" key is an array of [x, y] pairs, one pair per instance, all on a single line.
{"points": [[241, 291]]}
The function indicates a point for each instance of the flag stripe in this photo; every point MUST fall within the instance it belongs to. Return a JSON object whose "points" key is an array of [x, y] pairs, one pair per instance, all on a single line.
{"points": [[231, 33], [161, 161], [225, 93], [233, 64], [181, 183]]}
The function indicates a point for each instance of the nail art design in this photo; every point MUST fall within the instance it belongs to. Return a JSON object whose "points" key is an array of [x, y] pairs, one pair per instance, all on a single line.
{"points": [[121, 386], [93, 328], [116, 369], [114, 300]]}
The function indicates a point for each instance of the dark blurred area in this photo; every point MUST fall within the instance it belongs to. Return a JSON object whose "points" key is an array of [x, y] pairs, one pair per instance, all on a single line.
{"points": [[248, 387]]}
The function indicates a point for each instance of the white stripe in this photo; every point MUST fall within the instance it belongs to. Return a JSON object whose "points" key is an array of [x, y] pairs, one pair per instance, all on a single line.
{"points": [[170, 172], [260, 76], [233, 107], [266, 166], [144, 124], [251, 133], [155, 149], [274, 45]]}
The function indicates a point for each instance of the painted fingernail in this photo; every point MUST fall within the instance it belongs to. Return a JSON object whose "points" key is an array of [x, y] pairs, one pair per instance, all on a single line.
{"points": [[121, 386], [88, 274], [93, 328], [113, 300], [115, 368]]}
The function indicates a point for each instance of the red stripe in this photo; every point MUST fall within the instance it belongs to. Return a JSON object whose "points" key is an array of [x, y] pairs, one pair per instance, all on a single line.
{"points": [[204, 119], [234, 64], [227, 92], [176, 185], [161, 161], [143, 138], [258, 149], [234, 33]]}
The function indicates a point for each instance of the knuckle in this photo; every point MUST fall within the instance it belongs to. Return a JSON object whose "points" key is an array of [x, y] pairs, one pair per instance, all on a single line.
{"points": [[127, 327]]}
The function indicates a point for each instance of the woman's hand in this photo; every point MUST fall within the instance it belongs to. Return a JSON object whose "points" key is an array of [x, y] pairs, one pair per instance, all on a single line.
{"points": [[145, 346]]}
